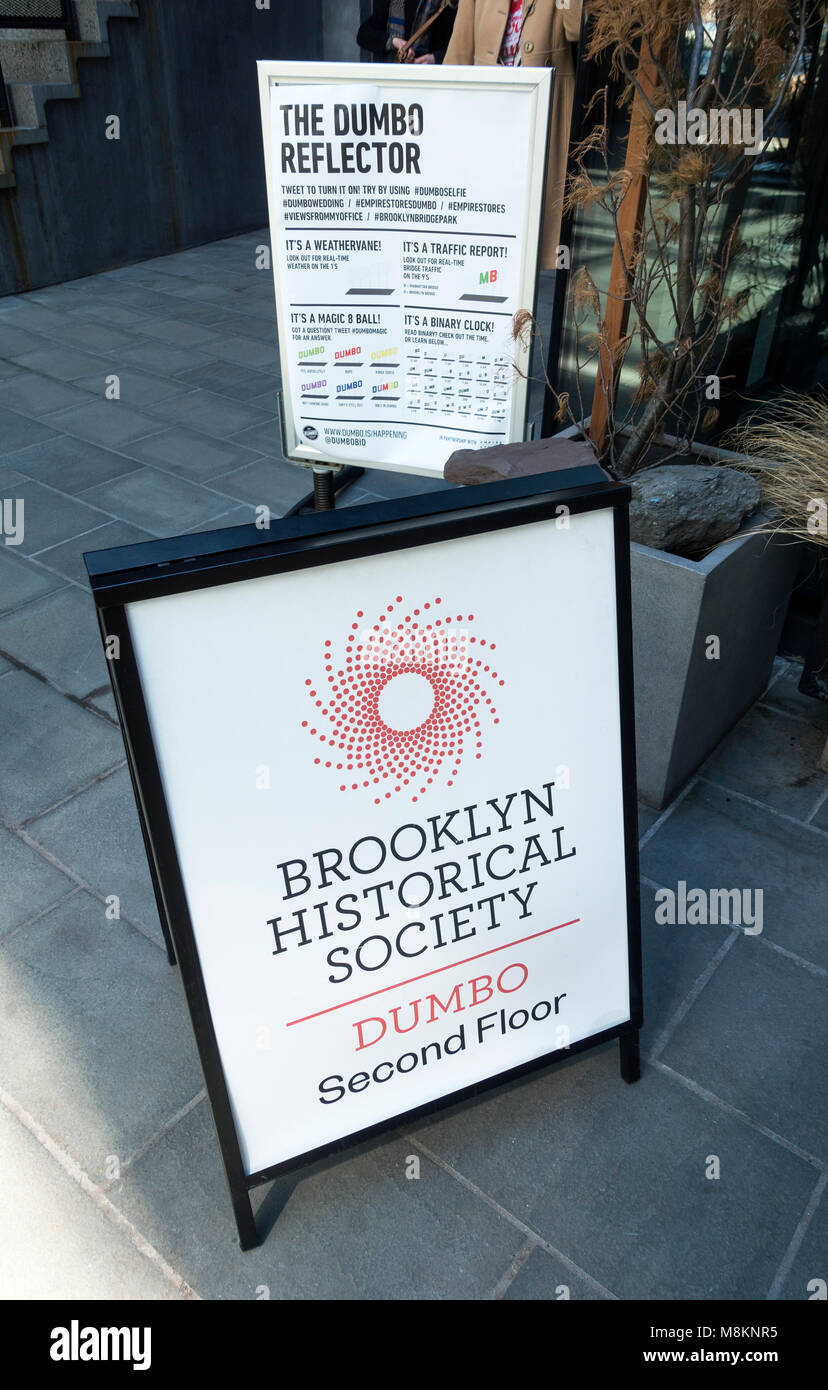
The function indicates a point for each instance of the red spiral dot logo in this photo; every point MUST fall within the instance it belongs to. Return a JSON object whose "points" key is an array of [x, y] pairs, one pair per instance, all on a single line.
{"points": [[399, 706]]}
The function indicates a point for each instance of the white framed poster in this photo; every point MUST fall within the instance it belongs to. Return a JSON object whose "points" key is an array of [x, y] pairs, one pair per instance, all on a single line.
{"points": [[405, 207], [389, 800]]}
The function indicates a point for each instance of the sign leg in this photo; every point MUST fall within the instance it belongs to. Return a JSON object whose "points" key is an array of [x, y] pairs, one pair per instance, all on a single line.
{"points": [[630, 1057], [248, 1231], [159, 896], [168, 942], [324, 497]]}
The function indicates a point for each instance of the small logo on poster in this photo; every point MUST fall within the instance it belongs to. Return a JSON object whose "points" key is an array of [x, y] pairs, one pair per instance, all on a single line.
{"points": [[310, 432], [400, 703]]}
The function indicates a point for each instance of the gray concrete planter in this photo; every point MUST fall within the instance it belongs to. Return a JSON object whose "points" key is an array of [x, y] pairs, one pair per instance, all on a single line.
{"points": [[685, 702]]}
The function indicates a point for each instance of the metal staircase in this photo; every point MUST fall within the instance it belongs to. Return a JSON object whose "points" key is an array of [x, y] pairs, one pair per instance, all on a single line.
{"points": [[41, 43]]}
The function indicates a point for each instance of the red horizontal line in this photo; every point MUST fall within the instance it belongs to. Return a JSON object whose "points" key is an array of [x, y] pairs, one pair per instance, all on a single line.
{"points": [[413, 981]]}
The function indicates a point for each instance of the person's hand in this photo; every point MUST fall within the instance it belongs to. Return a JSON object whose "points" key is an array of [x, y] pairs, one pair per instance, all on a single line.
{"points": [[398, 43], [426, 58]]}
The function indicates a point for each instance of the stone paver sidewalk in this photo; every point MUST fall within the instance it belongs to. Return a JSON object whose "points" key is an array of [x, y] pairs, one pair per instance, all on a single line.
{"points": [[111, 1179]]}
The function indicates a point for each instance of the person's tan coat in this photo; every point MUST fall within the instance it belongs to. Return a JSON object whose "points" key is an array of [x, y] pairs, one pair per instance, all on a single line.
{"points": [[548, 39]]}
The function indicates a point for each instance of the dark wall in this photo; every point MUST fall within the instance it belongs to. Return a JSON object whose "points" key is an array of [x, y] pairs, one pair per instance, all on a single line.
{"points": [[188, 167]]}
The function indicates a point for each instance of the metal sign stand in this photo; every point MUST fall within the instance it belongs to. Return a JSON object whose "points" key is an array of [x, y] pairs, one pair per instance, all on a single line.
{"points": [[327, 477], [128, 575], [324, 496]]}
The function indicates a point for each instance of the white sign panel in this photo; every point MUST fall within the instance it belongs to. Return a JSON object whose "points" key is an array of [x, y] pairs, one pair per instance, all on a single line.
{"points": [[404, 215], [396, 796]]}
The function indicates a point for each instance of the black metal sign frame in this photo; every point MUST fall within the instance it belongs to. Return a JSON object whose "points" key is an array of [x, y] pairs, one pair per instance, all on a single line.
{"points": [[127, 574]]}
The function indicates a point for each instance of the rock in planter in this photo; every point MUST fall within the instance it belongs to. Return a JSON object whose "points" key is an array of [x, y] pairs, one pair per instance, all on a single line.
{"points": [[686, 508], [519, 460]]}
